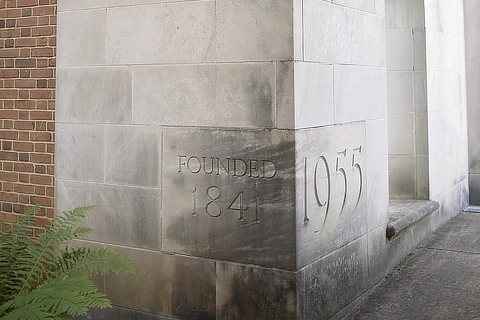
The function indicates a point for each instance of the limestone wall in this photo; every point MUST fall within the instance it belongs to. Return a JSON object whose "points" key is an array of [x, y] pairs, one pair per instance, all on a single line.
{"points": [[472, 48], [238, 150], [446, 107]]}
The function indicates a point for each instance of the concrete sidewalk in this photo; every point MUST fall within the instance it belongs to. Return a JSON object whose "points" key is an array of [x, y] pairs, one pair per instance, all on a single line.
{"points": [[440, 280]]}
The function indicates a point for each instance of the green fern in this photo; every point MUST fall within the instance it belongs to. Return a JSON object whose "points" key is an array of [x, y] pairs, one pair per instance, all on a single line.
{"points": [[42, 278]]}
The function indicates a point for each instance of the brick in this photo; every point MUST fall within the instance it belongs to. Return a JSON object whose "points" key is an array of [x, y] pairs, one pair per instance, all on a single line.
{"points": [[12, 13], [24, 115], [8, 166], [41, 136], [26, 32], [9, 73], [40, 147], [42, 201], [41, 179], [10, 197], [9, 176], [25, 178], [9, 43], [25, 42], [43, 31], [42, 83], [8, 207], [24, 104], [42, 52], [20, 208], [26, 12], [25, 83], [8, 114], [25, 73], [8, 94], [42, 169], [25, 63], [7, 186], [24, 125], [8, 155], [8, 135], [27, 3], [42, 73], [24, 188], [7, 145], [44, 11], [40, 190], [41, 115], [40, 158], [9, 53], [23, 146]]}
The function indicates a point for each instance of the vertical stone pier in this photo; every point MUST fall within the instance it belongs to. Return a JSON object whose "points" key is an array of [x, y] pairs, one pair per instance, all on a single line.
{"points": [[236, 149]]}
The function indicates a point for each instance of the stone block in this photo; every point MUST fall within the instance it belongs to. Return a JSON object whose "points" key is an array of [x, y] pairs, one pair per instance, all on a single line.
{"points": [[364, 5], [66, 5], [422, 177], [87, 47], [404, 14], [205, 95], [420, 91], [400, 86], [332, 33], [80, 152], [313, 95], [419, 50], [128, 216], [254, 30], [133, 155], [249, 292], [474, 186], [94, 95], [355, 93], [177, 33], [472, 23], [402, 176], [399, 50], [331, 189], [374, 45], [333, 282], [401, 133], [285, 111], [377, 146], [231, 195], [378, 196], [169, 285]]}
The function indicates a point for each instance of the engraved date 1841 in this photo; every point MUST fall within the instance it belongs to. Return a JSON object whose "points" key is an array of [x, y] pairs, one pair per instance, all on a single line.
{"points": [[214, 208]]}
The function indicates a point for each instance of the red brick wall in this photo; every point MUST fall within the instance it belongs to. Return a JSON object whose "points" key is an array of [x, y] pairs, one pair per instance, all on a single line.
{"points": [[27, 105]]}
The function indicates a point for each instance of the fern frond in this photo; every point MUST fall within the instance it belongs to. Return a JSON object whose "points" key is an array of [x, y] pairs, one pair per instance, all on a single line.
{"points": [[41, 278], [93, 262]]}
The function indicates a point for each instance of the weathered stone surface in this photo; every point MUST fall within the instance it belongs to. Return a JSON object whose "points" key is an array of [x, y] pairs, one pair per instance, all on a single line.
{"points": [[94, 95], [334, 281], [169, 285], [230, 195], [88, 45], [133, 155], [331, 189], [248, 292], [176, 33], [254, 30], [124, 215], [80, 152], [205, 95]]}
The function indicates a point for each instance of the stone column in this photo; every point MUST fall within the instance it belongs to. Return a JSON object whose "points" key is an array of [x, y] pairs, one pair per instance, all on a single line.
{"points": [[237, 150]]}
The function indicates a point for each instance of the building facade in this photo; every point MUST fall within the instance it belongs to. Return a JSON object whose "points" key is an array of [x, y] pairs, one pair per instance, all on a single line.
{"points": [[260, 159]]}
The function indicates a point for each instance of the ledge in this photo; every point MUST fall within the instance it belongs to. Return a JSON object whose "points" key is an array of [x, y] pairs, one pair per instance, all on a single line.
{"points": [[404, 213]]}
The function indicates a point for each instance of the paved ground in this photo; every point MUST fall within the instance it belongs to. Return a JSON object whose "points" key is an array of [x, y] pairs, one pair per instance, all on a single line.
{"points": [[441, 280]]}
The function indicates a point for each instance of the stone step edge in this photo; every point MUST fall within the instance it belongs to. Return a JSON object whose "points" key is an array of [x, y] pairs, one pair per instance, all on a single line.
{"points": [[405, 213]]}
